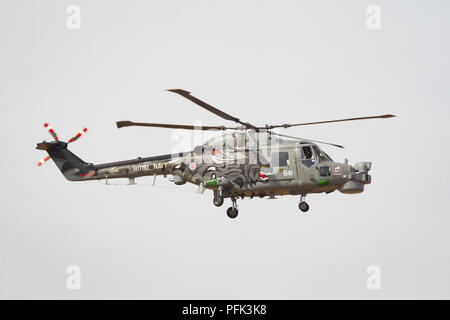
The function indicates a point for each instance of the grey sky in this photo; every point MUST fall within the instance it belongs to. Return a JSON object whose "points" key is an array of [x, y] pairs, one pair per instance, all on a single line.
{"points": [[265, 62]]}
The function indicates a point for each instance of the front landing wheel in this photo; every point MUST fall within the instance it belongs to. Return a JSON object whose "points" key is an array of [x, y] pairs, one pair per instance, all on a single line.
{"points": [[218, 200], [232, 212], [303, 206]]}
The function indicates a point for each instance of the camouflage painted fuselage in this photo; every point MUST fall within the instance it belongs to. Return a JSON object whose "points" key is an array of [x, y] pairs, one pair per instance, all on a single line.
{"points": [[288, 169]]}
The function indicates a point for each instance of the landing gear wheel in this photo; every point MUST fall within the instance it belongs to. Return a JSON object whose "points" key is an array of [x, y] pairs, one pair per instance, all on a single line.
{"points": [[303, 206], [232, 212], [218, 200]]}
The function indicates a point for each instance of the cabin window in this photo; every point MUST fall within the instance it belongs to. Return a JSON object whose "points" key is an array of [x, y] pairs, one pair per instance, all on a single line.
{"points": [[280, 159], [307, 156]]}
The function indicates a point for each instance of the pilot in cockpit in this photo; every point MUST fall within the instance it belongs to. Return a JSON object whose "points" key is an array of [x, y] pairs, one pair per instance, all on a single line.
{"points": [[307, 156]]}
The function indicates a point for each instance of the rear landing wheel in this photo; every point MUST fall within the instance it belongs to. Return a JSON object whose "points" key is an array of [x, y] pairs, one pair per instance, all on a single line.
{"points": [[218, 200], [303, 206], [232, 212]]}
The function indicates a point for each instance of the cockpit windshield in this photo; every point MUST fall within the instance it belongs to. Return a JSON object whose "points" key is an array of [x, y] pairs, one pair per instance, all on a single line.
{"points": [[321, 155], [309, 154]]}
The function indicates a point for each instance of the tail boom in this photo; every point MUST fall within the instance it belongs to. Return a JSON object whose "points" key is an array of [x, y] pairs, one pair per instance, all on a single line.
{"points": [[75, 169]]}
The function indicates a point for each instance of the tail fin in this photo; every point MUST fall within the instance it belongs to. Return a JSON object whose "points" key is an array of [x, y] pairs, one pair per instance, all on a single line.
{"points": [[72, 167], [67, 162]]}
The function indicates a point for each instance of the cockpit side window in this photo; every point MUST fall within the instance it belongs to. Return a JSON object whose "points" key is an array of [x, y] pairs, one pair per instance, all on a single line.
{"points": [[307, 156]]}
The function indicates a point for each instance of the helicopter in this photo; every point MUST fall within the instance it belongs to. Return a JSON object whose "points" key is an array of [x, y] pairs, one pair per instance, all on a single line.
{"points": [[245, 161]]}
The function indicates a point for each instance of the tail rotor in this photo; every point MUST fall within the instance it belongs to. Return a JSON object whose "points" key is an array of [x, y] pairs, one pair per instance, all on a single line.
{"points": [[43, 160], [78, 135], [51, 131], [46, 145]]}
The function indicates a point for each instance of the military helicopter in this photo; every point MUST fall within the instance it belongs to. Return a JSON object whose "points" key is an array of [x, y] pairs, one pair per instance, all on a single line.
{"points": [[247, 161]]}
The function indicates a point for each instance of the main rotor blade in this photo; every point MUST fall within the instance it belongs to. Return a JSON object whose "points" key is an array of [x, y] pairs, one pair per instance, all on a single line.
{"points": [[322, 142], [121, 124], [384, 116], [210, 108]]}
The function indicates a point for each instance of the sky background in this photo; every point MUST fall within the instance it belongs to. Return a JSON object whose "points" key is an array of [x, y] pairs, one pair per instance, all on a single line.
{"points": [[264, 62]]}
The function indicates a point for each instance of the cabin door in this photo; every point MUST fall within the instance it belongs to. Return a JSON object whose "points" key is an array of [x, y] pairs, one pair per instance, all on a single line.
{"points": [[283, 164]]}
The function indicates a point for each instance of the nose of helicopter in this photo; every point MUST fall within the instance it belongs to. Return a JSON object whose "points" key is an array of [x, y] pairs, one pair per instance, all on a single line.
{"points": [[358, 177]]}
